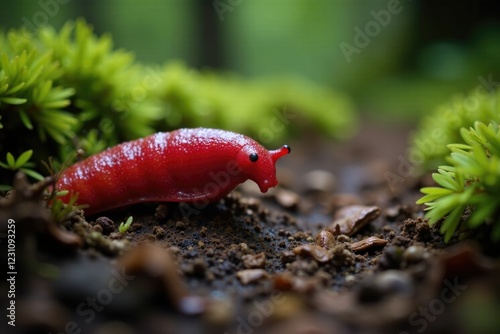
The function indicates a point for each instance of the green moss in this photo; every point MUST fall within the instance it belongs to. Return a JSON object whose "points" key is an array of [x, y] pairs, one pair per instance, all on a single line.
{"points": [[443, 126], [268, 109]]}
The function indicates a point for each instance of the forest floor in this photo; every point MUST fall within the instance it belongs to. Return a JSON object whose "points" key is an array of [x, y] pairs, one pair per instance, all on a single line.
{"points": [[338, 247]]}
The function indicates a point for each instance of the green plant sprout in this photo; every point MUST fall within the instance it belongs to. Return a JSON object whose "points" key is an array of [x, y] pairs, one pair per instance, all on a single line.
{"points": [[123, 227], [470, 181], [23, 164], [61, 211]]}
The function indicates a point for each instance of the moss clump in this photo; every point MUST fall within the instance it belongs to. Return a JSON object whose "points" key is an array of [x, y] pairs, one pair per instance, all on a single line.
{"points": [[443, 126], [267, 109], [59, 91], [471, 180]]}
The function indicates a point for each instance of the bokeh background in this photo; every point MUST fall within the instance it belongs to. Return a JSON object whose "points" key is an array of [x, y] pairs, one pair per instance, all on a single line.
{"points": [[425, 53]]}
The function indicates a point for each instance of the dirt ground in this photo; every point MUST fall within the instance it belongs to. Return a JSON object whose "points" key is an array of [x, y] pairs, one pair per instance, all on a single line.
{"points": [[338, 247]]}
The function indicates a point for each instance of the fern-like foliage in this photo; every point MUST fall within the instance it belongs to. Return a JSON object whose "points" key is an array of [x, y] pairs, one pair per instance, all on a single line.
{"points": [[28, 92], [471, 180]]}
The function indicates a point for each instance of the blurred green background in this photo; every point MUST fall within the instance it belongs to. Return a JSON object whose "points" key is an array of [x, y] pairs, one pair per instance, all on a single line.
{"points": [[419, 56]]}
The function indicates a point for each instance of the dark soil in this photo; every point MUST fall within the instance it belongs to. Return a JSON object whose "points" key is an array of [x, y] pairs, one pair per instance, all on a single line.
{"points": [[273, 263]]}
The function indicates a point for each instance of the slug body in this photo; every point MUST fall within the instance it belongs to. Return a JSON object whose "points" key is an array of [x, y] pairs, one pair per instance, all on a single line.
{"points": [[185, 165]]}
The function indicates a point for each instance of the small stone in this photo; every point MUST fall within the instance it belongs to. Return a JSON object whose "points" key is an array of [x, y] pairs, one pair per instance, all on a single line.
{"points": [[192, 305], [108, 226], [380, 286], [253, 261], [320, 254], [414, 254], [287, 199], [115, 235], [161, 211], [210, 252], [199, 266], [203, 231], [201, 244], [367, 244], [350, 278], [325, 239], [319, 180], [244, 248], [351, 219], [287, 256], [391, 258], [97, 228], [159, 232], [248, 276], [300, 235]]}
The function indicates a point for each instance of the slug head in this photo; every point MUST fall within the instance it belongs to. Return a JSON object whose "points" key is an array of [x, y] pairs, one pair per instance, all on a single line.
{"points": [[259, 164]]}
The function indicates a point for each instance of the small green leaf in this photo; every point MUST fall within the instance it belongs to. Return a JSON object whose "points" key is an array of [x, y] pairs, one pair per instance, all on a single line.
{"points": [[433, 193], [25, 119], [23, 158], [11, 161], [123, 227], [5, 187], [15, 89], [13, 100], [445, 181], [451, 223], [33, 174]]}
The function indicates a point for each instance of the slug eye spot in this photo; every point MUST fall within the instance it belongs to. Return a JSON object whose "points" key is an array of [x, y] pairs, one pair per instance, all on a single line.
{"points": [[253, 157]]}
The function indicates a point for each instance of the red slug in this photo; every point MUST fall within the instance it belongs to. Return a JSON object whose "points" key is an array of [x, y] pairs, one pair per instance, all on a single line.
{"points": [[185, 165]]}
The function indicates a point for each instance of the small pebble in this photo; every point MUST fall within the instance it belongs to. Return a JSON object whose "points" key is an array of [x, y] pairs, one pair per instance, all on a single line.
{"points": [[367, 244], [387, 283], [351, 219], [325, 239], [108, 226], [248, 276], [159, 232], [287, 199], [320, 254], [254, 261], [391, 258], [161, 211], [287, 256], [414, 254]]}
